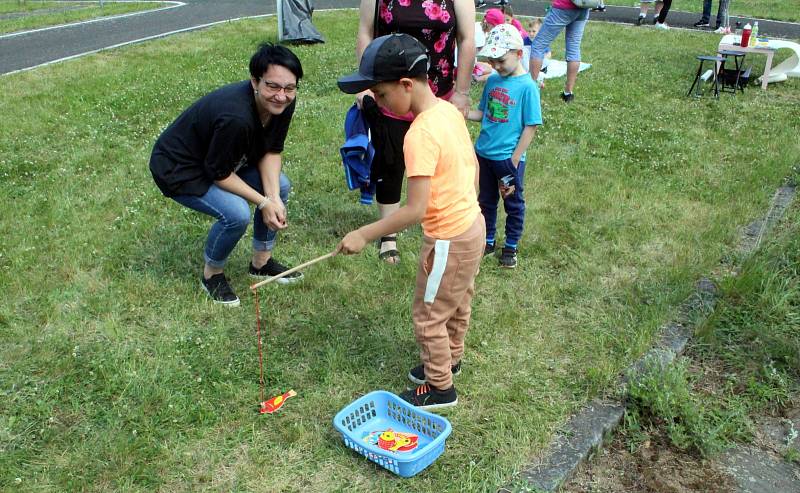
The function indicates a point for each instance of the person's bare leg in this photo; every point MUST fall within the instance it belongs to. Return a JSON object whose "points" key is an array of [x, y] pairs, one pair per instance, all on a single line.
{"points": [[209, 271], [260, 258], [386, 210], [572, 75], [535, 68]]}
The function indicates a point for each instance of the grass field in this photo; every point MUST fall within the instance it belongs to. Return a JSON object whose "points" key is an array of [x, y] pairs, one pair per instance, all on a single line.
{"points": [[117, 374], [22, 16], [745, 9]]}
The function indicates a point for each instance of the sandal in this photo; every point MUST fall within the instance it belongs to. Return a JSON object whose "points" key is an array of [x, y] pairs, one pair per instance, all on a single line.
{"points": [[389, 256]]}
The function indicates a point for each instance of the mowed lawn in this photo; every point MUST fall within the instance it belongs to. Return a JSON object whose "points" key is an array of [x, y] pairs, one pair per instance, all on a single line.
{"points": [[117, 374]]}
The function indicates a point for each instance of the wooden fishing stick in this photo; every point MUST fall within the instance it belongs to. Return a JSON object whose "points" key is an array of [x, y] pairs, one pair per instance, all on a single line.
{"points": [[293, 269]]}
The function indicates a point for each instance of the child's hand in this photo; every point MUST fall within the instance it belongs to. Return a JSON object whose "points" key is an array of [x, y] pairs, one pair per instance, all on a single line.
{"points": [[353, 242], [506, 191]]}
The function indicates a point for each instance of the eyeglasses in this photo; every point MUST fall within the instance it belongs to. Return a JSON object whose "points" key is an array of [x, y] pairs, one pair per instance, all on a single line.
{"points": [[273, 88]]}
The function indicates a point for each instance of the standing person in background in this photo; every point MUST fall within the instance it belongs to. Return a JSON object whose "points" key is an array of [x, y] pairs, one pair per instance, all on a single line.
{"points": [[441, 26], [661, 20], [563, 15], [643, 6], [722, 12]]}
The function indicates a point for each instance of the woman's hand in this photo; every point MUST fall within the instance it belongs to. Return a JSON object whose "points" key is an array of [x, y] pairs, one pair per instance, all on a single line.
{"points": [[462, 102], [274, 214], [353, 242]]}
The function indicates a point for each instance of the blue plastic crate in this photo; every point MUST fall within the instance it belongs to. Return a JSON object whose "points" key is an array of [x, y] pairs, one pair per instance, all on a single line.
{"points": [[380, 410]]}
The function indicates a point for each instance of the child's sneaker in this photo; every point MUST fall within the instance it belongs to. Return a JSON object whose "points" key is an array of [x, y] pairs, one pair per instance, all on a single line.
{"points": [[427, 397], [417, 374], [488, 249], [219, 290], [662, 25], [508, 258], [567, 98], [273, 268], [640, 20]]}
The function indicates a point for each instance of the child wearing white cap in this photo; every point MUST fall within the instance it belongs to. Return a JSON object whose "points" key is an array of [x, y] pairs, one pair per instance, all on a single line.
{"points": [[509, 112]]}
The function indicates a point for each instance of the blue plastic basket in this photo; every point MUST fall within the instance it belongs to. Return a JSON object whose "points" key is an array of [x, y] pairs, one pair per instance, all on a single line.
{"points": [[380, 410]]}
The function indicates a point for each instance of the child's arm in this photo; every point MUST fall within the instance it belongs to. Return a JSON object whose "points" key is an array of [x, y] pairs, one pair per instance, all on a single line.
{"points": [[475, 115], [524, 141], [418, 190]]}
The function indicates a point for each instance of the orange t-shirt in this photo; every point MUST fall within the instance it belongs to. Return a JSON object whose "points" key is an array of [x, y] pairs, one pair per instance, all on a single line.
{"points": [[438, 145]]}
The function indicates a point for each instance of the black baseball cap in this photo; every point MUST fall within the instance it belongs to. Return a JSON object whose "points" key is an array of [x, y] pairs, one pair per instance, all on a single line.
{"points": [[389, 57]]}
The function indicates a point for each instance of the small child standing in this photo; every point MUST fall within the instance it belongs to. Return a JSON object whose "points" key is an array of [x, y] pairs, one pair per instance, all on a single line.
{"points": [[509, 112], [442, 178]]}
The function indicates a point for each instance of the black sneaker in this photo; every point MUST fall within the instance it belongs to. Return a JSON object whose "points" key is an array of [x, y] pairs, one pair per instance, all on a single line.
{"points": [[219, 290], [701, 24], [273, 268], [417, 374], [427, 397], [488, 249], [567, 98], [508, 259], [640, 20], [655, 20], [480, 4]]}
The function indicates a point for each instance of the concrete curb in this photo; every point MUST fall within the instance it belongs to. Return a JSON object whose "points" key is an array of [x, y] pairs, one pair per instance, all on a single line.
{"points": [[585, 432]]}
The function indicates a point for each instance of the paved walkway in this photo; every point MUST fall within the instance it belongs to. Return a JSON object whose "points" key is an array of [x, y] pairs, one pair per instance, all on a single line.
{"points": [[29, 50]]}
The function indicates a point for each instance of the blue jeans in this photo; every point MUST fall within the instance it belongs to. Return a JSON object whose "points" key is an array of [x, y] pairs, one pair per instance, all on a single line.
{"points": [[721, 10], [232, 213], [573, 20], [489, 177]]}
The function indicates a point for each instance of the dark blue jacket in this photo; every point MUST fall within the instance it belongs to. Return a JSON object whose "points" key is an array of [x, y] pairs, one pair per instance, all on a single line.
{"points": [[357, 154]]}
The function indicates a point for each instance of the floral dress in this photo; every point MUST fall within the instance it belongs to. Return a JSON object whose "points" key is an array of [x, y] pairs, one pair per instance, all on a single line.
{"points": [[433, 23]]}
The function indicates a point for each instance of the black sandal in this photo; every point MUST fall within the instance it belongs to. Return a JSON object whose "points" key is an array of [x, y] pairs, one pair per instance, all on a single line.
{"points": [[388, 254]]}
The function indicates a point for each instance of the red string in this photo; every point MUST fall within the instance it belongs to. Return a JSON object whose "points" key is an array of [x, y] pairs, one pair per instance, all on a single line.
{"points": [[260, 354]]}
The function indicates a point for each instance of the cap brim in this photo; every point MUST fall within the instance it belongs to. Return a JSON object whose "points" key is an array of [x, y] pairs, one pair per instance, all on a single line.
{"points": [[355, 83], [490, 51]]}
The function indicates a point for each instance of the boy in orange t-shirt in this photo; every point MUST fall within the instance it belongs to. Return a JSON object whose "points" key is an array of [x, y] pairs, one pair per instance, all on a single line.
{"points": [[442, 173]]}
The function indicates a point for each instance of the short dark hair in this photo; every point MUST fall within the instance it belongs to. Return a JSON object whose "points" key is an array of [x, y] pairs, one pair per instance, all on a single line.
{"points": [[270, 54]]}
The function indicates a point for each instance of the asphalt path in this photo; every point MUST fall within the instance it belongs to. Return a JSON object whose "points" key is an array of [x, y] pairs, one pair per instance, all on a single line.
{"points": [[32, 49]]}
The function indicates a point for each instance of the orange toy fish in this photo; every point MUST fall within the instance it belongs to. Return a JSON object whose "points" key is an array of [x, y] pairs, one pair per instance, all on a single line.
{"points": [[272, 405], [397, 442]]}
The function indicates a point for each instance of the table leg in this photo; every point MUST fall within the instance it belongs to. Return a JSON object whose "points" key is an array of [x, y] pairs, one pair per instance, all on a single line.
{"points": [[767, 69]]}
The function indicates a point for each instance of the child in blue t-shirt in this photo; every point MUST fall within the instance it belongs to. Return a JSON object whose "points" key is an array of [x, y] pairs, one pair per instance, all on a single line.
{"points": [[509, 112]]}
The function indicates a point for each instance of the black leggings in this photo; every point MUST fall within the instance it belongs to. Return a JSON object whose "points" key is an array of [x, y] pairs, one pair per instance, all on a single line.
{"points": [[662, 16], [388, 164]]}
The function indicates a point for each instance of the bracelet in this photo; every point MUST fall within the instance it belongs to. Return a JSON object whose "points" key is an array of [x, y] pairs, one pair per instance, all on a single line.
{"points": [[263, 202]]}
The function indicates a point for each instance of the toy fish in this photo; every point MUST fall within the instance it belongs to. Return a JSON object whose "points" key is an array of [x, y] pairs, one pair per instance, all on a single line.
{"points": [[272, 405], [394, 441]]}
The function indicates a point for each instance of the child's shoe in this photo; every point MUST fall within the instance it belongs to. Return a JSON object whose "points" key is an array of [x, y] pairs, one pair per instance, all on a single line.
{"points": [[640, 20], [488, 249], [508, 259], [662, 25], [567, 98], [417, 374], [427, 397]]}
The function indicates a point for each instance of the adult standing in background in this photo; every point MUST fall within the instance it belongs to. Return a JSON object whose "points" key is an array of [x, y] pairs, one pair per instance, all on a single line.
{"points": [[563, 15], [722, 12], [444, 27], [224, 153]]}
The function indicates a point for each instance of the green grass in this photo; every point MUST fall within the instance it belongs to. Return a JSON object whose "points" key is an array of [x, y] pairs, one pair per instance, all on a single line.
{"points": [[117, 374], [746, 9], [744, 363], [44, 14]]}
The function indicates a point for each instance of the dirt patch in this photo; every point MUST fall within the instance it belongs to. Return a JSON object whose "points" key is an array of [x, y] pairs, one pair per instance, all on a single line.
{"points": [[654, 467]]}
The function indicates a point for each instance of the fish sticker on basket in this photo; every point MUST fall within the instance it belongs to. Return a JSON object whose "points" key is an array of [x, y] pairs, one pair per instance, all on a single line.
{"points": [[275, 403], [393, 441]]}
